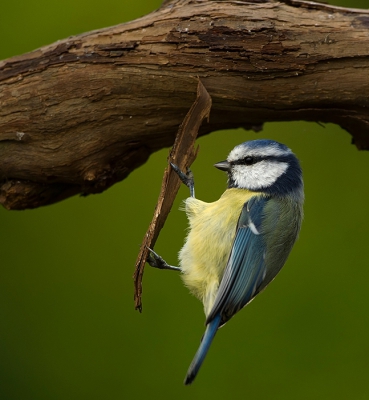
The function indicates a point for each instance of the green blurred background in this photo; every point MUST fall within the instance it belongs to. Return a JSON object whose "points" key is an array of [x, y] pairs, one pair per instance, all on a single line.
{"points": [[68, 327]]}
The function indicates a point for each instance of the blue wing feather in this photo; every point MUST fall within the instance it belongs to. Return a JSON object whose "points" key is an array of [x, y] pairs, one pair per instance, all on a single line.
{"points": [[246, 268]]}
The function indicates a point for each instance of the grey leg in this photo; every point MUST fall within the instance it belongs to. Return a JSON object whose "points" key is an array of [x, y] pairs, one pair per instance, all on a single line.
{"points": [[186, 178], [156, 261]]}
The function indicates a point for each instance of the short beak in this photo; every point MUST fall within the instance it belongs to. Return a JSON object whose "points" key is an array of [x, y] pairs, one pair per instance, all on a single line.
{"points": [[223, 165]]}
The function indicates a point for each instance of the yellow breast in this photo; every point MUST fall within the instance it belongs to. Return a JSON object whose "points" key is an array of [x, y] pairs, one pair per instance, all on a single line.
{"points": [[212, 229]]}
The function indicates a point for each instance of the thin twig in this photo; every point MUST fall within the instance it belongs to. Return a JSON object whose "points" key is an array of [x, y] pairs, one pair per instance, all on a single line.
{"points": [[182, 154]]}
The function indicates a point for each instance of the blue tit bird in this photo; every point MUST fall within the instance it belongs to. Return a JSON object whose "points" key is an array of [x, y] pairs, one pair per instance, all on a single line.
{"points": [[237, 245]]}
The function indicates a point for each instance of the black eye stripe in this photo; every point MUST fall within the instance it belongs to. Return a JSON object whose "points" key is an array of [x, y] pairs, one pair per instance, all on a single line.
{"points": [[250, 160]]}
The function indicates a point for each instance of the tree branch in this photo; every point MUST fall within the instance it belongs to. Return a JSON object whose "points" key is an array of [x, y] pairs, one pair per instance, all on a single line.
{"points": [[80, 114]]}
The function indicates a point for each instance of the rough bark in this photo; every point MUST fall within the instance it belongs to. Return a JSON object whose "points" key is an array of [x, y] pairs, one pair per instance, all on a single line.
{"points": [[80, 114]]}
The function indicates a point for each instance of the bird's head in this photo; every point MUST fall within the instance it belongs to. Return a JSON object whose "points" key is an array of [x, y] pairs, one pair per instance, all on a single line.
{"points": [[263, 166]]}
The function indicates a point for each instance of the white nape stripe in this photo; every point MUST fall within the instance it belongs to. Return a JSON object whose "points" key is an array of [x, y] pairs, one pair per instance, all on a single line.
{"points": [[240, 152], [257, 176]]}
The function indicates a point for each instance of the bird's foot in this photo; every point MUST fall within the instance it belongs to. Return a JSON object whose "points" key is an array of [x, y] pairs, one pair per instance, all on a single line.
{"points": [[186, 178], [154, 260]]}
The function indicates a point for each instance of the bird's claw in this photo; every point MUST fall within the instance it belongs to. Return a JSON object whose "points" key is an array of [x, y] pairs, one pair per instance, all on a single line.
{"points": [[154, 260], [186, 178]]}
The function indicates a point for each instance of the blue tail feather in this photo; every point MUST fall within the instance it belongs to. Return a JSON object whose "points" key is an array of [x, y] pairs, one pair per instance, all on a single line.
{"points": [[200, 355]]}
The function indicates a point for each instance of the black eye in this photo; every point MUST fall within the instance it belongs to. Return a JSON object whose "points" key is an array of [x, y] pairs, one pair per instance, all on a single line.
{"points": [[249, 160]]}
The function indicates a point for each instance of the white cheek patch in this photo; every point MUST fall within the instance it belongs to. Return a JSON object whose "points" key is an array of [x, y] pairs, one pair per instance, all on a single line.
{"points": [[259, 175]]}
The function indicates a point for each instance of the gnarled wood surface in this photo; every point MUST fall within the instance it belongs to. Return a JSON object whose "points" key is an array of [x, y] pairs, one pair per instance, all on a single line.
{"points": [[80, 114]]}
